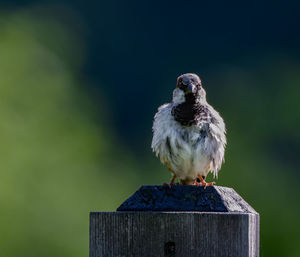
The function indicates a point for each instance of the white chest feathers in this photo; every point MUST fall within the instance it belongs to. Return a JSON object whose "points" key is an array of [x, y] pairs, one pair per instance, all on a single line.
{"points": [[189, 151]]}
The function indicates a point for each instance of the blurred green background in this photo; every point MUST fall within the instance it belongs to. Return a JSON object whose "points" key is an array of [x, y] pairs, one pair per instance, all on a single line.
{"points": [[80, 82]]}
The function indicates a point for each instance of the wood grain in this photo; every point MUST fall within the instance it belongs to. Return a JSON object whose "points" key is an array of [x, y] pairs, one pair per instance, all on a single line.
{"points": [[176, 234]]}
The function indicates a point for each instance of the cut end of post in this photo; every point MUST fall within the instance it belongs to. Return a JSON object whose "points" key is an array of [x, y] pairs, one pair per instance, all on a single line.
{"points": [[179, 221], [186, 198]]}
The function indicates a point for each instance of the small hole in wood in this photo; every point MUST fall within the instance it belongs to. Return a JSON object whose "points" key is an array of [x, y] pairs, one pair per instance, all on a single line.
{"points": [[170, 249]]}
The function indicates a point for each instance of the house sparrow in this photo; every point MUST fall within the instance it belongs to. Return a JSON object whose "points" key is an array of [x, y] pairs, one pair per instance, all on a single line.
{"points": [[189, 134]]}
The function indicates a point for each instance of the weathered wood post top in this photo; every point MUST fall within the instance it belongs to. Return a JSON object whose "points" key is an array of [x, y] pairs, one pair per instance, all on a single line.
{"points": [[181, 221]]}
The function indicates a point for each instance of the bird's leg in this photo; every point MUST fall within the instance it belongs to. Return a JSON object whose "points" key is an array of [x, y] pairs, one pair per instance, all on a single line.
{"points": [[171, 182], [173, 178], [204, 183]]}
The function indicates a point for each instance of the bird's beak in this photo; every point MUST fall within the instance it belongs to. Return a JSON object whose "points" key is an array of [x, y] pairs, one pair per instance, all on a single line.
{"points": [[191, 88]]}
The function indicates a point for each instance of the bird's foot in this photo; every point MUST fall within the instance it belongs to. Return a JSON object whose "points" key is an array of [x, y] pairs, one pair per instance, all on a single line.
{"points": [[204, 183], [167, 184], [196, 183], [171, 183]]}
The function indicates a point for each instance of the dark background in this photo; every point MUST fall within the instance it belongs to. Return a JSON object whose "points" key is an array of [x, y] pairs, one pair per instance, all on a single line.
{"points": [[80, 82]]}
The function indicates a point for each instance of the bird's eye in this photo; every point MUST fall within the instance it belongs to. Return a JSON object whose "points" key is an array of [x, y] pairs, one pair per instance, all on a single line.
{"points": [[182, 86]]}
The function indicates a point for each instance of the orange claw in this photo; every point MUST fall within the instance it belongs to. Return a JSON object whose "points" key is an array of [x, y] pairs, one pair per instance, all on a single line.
{"points": [[196, 183], [204, 183]]}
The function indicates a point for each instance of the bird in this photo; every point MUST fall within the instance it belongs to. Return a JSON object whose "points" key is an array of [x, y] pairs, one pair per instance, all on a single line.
{"points": [[189, 135]]}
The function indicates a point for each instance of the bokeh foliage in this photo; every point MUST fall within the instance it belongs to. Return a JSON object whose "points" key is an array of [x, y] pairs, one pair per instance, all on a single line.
{"points": [[58, 159], [62, 157]]}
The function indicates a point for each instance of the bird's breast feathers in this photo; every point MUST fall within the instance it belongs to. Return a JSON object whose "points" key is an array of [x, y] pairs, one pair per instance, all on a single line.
{"points": [[193, 149]]}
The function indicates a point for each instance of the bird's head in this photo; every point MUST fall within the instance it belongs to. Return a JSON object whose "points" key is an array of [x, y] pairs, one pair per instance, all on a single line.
{"points": [[188, 88]]}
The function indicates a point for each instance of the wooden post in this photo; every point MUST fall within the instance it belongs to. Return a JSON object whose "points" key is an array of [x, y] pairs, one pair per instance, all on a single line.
{"points": [[181, 221]]}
